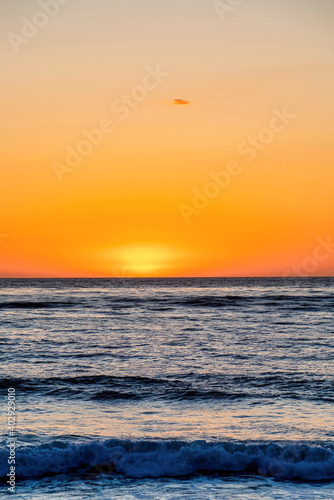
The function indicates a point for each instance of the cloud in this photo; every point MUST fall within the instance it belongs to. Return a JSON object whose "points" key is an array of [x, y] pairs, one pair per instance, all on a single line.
{"points": [[177, 102], [180, 102]]}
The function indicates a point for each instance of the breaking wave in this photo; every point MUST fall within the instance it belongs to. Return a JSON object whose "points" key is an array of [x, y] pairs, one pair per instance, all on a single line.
{"points": [[154, 459]]}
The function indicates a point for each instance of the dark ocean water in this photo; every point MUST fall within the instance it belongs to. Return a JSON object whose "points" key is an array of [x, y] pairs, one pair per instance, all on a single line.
{"points": [[170, 388]]}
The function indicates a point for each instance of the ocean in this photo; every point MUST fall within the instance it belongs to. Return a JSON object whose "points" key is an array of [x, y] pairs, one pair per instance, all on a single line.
{"points": [[168, 389]]}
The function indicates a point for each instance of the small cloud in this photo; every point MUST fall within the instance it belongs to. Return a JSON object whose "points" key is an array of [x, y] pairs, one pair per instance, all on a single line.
{"points": [[177, 102], [180, 102]]}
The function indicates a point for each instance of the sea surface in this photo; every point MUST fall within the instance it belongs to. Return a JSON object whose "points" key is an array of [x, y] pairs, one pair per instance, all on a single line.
{"points": [[169, 389]]}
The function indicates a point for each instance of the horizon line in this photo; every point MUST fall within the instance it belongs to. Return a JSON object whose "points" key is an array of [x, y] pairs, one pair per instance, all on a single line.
{"points": [[156, 277]]}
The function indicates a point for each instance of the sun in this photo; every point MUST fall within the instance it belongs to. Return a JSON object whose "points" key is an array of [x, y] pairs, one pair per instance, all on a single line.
{"points": [[143, 259]]}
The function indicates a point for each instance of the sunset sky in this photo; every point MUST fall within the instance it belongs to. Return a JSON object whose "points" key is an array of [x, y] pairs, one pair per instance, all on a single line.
{"points": [[179, 89]]}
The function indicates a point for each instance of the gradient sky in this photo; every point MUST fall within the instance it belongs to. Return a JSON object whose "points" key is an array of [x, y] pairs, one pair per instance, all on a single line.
{"points": [[119, 212]]}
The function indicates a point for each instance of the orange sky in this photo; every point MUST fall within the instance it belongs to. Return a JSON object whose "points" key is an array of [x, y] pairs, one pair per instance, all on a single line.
{"points": [[199, 145]]}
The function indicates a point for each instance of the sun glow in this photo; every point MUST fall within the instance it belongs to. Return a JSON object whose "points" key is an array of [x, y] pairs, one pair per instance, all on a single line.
{"points": [[143, 260]]}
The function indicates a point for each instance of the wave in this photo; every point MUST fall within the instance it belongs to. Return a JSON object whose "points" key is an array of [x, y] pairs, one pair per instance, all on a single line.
{"points": [[179, 387], [23, 304], [293, 302], [168, 302], [154, 459]]}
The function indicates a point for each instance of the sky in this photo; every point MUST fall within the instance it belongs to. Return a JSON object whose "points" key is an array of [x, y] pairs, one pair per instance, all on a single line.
{"points": [[166, 138]]}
